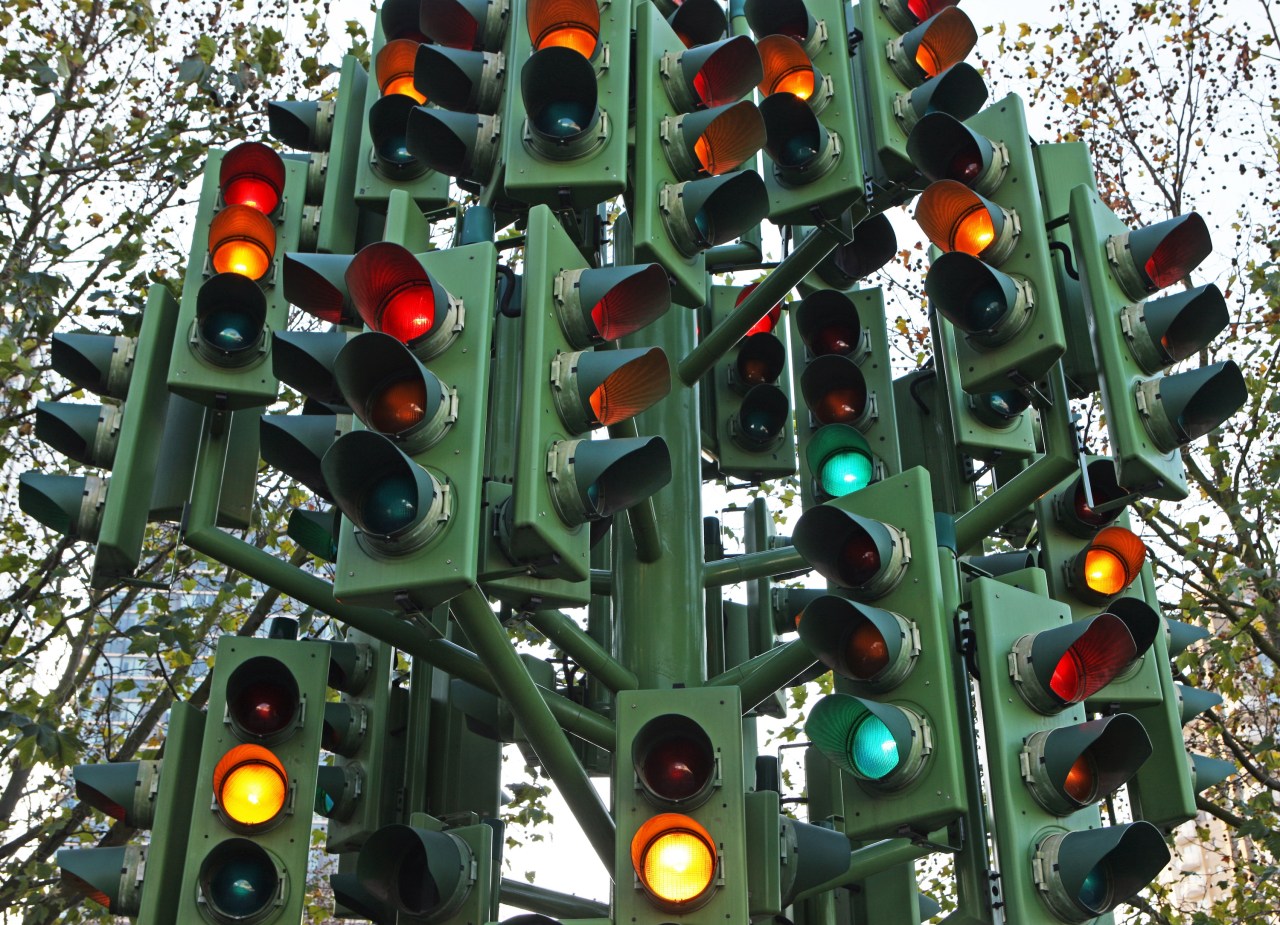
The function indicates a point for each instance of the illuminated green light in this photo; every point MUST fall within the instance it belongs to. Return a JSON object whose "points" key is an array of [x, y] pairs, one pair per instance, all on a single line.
{"points": [[844, 472], [872, 749]]}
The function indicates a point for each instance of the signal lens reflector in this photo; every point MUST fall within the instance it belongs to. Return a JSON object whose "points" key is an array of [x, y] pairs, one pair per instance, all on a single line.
{"points": [[394, 66], [675, 859], [572, 24], [250, 785]]}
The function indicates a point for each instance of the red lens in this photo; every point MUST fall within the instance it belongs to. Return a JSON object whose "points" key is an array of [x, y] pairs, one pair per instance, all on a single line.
{"points": [[263, 708], [253, 192], [1081, 783], [399, 406], [677, 767], [1179, 252], [409, 312], [1094, 660], [859, 560], [766, 324]]}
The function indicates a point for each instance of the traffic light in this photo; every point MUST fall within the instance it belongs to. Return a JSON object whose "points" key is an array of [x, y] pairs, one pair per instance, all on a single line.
{"points": [[994, 281], [1047, 766], [1087, 549], [407, 481], [884, 630], [847, 425], [250, 213], [154, 794], [808, 107], [692, 133], [564, 140], [331, 128], [910, 64], [566, 482], [872, 245], [385, 162], [750, 397], [365, 729], [1150, 416], [250, 834], [679, 804]]}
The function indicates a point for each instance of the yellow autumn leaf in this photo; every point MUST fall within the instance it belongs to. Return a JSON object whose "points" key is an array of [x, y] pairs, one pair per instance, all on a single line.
{"points": [[1073, 96]]}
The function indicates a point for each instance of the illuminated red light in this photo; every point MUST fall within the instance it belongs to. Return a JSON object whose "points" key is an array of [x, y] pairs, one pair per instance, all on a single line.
{"points": [[252, 175], [1094, 660], [766, 324]]}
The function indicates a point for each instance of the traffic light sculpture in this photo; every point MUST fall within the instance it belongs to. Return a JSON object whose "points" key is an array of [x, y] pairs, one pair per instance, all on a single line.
{"points": [[250, 831], [1150, 416], [1048, 767], [910, 64], [808, 107], [691, 135], [884, 631], [566, 481], [750, 397], [250, 214], [385, 162], [679, 805], [564, 137], [993, 282], [847, 427], [407, 481], [154, 794]]}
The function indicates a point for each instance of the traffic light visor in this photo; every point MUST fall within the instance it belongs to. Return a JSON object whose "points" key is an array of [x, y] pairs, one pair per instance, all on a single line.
{"points": [[955, 218], [263, 701], [958, 91], [800, 146], [560, 95], [988, 306], [231, 318], [1058, 667], [674, 761], [240, 882], [316, 284], [252, 174], [944, 148], [1164, 253], [611, 302], [242, 240], [615, 385], [698, 22], [1110, 562], [1089, 873], [251, 786], [868, 645], [459, 144], [1074, 766], [395, 295], [1166, 330], [786, 68], [392, 392], [388, 127], [720, 139], [714, 210], [780, 17], [906, 13], [935, 45], [452, 23], [462, 81], [1183, 407], [722, 72], [593, 479], [874, 245], [569, 24], [396, 503], [108, 876], [417, 871], [675, 859], [872, 741], [865, 556], [1072, 507]]}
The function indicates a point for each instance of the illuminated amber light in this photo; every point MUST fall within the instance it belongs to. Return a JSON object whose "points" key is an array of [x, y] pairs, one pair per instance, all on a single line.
{"points": [[251, 785], [631, 389], [955, 218], [947, 41], [394, 67], [573, 24], [674, 857], [1112, 560], [399, 406], [242, 240], [1081, 783], [787, 69]]}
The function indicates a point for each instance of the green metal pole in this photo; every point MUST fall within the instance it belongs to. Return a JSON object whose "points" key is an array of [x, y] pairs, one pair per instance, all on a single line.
{"points": [[658, 605], [759, 677], [872, 859], [782, 561], [550, 902], [567, 636], [642, 517], [820, 242], [471, 610]]}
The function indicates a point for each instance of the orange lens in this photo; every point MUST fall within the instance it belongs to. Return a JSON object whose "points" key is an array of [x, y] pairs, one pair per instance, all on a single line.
{"points": [[631, 389], [399, 406], [955, 218], [1112, 560], [787, 68], [251, 785], [394, 68], [573, 24], [1081, 783], [867, 653], [242, 240], [674, 858], [947, 41]]}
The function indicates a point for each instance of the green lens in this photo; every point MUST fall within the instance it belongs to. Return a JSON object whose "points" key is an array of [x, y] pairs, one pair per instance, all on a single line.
{"points": [[872, 749], [844, 472]]}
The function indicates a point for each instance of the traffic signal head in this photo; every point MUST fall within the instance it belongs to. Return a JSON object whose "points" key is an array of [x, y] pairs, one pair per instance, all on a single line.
{"points": [[464, 23], [231, 319], [599, 388], [1076, 766], [874, 648], [594, 479], [394, 294], [675, 861], [111, 877], [989, 307], [461, 81], [1056, 668], [1149, 259], [944, 148], [240, 881], [703, 213], [1107, 565], [599, 305], [955, 218], [710, 142], [392, 393], [1082, 875], [864, 557], [460, 144], [251, 788], [1072, 508], [396, 505], [675, 762], [711, 75], [1164, 331], [698, 22], [938, 43], [122, 790], [416, 871], [881, 744]]}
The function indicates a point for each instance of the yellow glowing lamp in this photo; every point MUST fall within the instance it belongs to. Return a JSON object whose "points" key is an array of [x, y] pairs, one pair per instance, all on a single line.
{"points": [[675, 859], [1109, 564], [572, 24], [250, 785], [394, 68], [242, 240], [955, 218]]}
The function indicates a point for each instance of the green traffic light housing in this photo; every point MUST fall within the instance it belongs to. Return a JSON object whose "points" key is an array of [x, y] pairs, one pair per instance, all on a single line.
{"points": [[392, 393], [599, 388], [85, 433], [464, 23], [864, 556], [1082, 875], [388, 128], [703, 213], [558, 86], [462, 81], [231, 321], [944, 148], [416, 871], [306, 125], [943, 40], [959, 91], [1056, 668], [396, 505], [1072, 767], [1180, 408], [874, 648], [101, 363], [460, 144], [990, 307], [599, 305], [594, 479], [317, 284], [883, 745], [68, 504], [111, 877]]}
